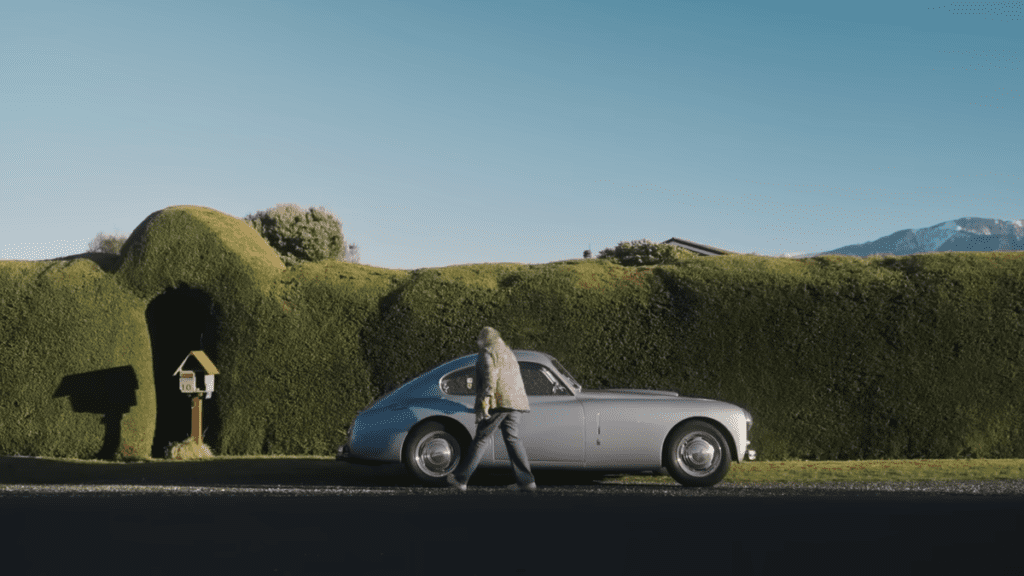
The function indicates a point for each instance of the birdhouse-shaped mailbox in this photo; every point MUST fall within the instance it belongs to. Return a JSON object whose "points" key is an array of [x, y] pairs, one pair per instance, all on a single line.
{"points": [[187, 378]]}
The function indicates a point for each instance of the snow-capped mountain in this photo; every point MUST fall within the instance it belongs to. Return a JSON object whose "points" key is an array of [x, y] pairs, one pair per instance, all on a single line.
{"points": [[962, 235]]}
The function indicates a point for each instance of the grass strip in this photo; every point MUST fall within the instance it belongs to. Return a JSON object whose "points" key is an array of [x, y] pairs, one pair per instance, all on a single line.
{"points": [[812, 472]]}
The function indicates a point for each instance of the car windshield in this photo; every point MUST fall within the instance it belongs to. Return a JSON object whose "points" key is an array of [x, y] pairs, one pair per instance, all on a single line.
{"points": [[566, 376]]}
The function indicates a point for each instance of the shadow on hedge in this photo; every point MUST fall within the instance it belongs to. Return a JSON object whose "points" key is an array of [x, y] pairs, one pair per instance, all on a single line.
{"points": [[110, 392]]}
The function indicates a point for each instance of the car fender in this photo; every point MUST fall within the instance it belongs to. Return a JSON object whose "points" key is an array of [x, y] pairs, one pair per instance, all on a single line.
{"points": [[633, 432], [459, 420], [379, 434], [729, 419]]}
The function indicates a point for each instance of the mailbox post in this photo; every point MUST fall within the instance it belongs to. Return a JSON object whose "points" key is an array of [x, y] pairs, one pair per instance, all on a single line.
{"points": [[187, 384]]}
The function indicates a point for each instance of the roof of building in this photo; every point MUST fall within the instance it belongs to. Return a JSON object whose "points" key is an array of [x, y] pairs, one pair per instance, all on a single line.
{"points": [[699, 249]]}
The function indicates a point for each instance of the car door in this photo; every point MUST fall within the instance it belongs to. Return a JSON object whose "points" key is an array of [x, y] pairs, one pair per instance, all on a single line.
{"points": [[552, 431]]}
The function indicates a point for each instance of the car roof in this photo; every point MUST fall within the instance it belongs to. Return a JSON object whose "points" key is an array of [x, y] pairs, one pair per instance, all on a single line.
{"points": [[429, 379], [531, 355], [469, 360], [522, 355]]}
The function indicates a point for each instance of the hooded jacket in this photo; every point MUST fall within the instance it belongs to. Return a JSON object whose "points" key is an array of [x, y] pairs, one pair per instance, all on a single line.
{"points": [[499, 382]]}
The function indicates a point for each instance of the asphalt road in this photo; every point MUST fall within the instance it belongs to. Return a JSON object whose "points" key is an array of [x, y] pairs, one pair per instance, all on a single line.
{"points": [[390, 528]]}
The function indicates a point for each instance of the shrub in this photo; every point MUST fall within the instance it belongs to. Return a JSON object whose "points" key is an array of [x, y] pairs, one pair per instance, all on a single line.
{"points": [[107, 243], [645, 253], [187, 449], [300, 235]]}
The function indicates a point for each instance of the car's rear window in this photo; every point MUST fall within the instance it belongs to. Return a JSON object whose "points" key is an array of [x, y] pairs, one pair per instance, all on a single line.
{"points": [[459, 383]]}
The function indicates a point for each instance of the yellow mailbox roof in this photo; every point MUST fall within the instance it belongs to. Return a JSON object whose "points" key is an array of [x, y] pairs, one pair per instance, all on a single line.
{"points": [[203, 359]]}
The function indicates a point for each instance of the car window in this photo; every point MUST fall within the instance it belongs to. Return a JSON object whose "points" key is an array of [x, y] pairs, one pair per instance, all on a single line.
{"points": [[538, 380], [565, 374], [460, 382]]}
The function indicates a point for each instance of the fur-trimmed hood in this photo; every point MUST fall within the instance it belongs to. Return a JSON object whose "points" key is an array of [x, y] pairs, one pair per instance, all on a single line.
{"points": [[498, 376]]}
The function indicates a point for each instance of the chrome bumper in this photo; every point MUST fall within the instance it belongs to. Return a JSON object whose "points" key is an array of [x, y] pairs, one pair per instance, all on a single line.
{"points": [[751, 454]]}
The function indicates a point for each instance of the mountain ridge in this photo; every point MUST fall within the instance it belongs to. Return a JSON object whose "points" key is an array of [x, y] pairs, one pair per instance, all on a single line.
{"points": [[969, 234]]}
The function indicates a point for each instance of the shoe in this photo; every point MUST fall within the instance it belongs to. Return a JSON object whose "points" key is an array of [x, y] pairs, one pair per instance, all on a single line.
{"points": [[531, 487], [452, 482]]}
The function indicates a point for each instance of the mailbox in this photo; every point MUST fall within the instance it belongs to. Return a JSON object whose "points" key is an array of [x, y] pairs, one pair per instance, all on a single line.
{"points": [[187, 384], [187, 381], [187, 378]]}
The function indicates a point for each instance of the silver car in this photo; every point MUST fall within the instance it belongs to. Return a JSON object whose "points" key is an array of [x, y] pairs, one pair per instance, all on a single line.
{"points": [[428, 424]]}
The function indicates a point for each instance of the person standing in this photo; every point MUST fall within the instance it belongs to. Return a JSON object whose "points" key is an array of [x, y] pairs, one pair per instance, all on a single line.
{"points": [[500, 402]]}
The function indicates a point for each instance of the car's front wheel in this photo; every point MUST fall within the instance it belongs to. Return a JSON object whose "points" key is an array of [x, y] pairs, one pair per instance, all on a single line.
{"points": [[430, 453], [696, 454]]}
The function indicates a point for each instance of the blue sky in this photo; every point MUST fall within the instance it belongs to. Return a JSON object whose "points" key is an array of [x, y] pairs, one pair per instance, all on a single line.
{"points": [[450, 132]]}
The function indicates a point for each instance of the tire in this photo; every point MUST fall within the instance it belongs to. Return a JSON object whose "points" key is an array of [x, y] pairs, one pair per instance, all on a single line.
{"points": [[697, 455], [430, 453]]}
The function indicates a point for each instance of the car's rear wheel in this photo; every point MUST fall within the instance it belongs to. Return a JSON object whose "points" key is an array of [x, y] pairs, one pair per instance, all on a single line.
{"points": [[430, 453], [696, 454]]}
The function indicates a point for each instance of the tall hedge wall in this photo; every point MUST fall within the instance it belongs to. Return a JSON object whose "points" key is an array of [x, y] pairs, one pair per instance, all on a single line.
{"points": [[299, 372], [76, 378], [837, 357], [842, 357]]}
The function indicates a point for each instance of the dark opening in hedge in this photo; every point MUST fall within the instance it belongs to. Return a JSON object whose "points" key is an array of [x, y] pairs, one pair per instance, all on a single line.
{"points": [[180, 320]]}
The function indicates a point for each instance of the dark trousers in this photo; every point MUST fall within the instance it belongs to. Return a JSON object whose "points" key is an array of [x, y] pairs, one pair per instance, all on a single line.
{"points": [[509, 423]]}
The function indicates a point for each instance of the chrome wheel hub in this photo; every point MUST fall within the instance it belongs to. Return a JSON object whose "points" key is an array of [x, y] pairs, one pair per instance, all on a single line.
{"points": [[435, 456], [698, 454]]}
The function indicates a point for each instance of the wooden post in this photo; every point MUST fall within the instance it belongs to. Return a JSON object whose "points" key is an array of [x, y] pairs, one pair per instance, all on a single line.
{"points": [[197, 419]]}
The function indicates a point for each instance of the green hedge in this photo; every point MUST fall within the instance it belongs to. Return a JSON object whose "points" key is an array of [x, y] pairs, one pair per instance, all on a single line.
{"points": [[299, 374], [837, 357], [198, 247], [76, 376], [842, 357]]}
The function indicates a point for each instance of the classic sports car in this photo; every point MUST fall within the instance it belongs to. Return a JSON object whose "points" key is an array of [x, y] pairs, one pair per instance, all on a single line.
{"points": [[428, 424]]}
